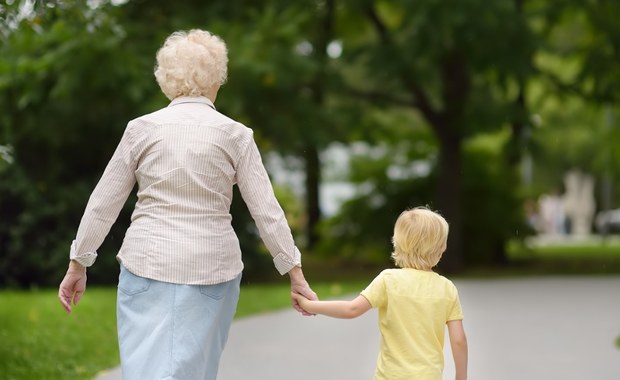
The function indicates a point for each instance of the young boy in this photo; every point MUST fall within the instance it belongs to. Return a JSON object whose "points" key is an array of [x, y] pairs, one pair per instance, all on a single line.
{"points": [[414, 304]]}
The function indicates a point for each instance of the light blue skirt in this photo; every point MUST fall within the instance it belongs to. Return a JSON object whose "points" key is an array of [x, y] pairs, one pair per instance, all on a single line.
{"points": [[172, 331]]}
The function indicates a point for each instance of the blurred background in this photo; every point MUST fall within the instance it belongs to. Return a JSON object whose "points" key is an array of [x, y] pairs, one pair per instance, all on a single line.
{"points": [[502, 115]]}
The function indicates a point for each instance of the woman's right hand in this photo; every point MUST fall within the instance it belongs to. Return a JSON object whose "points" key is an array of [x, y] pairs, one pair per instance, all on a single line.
{"points": [[299, 285]]}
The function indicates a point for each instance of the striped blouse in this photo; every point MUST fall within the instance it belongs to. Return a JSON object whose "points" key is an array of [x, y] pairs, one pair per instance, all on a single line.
{"points": [[185, 158]]}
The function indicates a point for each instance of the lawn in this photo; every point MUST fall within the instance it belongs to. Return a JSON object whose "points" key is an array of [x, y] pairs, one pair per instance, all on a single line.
{"points": [[568, 257], [38, 340]]}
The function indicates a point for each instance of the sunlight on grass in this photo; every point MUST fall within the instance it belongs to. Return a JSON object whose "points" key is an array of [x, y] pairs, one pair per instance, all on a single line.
{"points": [[592, 256], [38, 340], [598, 249]]}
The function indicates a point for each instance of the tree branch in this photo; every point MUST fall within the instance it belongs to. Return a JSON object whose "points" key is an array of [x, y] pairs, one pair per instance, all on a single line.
{"points": [[380, 98], [422, 101], [379, 25]]}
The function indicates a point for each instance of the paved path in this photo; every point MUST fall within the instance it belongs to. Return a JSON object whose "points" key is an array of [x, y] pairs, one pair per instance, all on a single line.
{"points": [[547, 328]]}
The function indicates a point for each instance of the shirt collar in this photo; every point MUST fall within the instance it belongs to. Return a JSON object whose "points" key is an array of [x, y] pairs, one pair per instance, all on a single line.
{"points": [[191, 99]]}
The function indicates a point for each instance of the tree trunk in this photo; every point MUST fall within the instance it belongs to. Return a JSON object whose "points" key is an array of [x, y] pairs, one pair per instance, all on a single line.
{"points": [[449, 200], [449, 130], [313, 209], [311, 153]]}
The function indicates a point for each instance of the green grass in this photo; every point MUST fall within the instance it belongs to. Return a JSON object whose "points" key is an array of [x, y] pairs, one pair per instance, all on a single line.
{"points": [[38, 340], [570, 251], [587, 257]]}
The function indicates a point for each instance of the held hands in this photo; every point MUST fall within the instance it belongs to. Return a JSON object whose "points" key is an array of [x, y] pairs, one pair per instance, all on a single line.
{"points": [[299, 286], [72, 286], [300, 299]]}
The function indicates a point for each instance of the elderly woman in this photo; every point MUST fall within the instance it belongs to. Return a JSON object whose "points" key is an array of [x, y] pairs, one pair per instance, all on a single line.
{"points": [[180, 261]]}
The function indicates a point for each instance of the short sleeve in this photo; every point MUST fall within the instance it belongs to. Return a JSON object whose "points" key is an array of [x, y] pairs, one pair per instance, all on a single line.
{"points": [[376, 292], [455, 312]]}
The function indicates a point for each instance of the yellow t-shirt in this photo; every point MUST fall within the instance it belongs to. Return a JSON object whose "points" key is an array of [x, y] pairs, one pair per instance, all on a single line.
{"points": [[414, 307]]}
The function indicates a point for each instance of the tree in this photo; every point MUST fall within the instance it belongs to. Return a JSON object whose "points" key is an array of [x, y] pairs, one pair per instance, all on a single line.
{"points": [[285, 79], [280, 76], [80, 71], [59, 84], [457, 63], [576, 92]]}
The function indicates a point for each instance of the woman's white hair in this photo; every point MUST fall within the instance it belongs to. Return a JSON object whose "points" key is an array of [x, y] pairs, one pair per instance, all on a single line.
{"points": [[191, 63]]}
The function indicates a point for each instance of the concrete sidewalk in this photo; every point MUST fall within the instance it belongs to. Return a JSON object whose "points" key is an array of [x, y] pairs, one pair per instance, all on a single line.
{"points": [[533, 328]]}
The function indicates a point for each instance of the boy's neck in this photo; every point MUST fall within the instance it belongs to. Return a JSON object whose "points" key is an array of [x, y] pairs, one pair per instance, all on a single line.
{"points": [[422, 269]]}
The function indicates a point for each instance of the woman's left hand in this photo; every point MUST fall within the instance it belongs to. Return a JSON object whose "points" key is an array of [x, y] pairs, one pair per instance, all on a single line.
{"points": [[72, 286]]}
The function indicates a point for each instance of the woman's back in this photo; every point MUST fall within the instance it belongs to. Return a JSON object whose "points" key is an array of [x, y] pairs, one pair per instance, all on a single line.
{"points": [[186, 157]]}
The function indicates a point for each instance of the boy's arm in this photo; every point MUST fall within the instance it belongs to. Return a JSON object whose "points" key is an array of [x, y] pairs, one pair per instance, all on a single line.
{"points": [[458, 343], [335, 309]]}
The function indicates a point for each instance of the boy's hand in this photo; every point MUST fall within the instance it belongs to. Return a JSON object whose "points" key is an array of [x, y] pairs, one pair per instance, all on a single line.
{"points": [[301, 301], [299, 298]]}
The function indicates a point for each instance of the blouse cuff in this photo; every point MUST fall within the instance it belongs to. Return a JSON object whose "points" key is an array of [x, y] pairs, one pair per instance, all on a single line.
{"points": [[284, 262], [86, 259]]}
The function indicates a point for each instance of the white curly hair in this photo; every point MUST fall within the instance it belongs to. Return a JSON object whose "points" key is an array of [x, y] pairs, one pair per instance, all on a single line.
{"points": [[191, 63]]}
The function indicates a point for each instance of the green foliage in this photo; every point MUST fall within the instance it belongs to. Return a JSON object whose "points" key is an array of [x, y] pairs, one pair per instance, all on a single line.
{"points": [[6, 156], [461, 65], [272, 77], [577, 88], [390, 176], [405, 50], [69, 98], [583, 37], [363, 229], [493, 212], [422, 84], [72, 76], [589, 131], [258, 263]]}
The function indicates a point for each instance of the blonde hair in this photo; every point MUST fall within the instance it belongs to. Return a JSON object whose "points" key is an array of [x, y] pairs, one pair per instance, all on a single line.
{"points": [[420, 238], [191, 63]]}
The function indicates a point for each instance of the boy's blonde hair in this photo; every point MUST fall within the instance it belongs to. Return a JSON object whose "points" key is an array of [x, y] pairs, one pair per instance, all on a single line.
{"points": [[420, 238], [191, 63]]}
